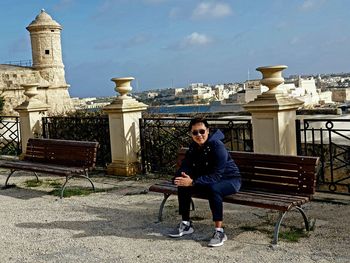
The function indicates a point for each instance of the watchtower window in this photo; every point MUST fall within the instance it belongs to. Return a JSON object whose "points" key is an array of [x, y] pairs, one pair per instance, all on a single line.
{"points": [[47, 52], [52, 30]]}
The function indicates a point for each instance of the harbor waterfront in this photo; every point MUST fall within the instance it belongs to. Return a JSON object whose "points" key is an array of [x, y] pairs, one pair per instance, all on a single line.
{"points": [[197, 108], [237, 109]]}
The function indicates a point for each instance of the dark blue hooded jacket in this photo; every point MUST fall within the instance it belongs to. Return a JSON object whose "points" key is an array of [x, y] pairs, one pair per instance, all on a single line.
{"points": [[209, 163]]}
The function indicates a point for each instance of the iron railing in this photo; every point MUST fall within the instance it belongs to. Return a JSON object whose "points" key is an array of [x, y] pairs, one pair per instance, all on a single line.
{"points": [[81, 129], [22, 63], [330, 140], [161, 138], [10, 136]]}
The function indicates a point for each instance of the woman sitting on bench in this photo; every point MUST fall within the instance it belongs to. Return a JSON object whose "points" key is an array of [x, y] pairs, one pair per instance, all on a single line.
{"points": [[206, 169]]}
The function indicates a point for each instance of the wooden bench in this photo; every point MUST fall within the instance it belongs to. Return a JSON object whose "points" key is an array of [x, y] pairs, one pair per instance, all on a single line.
{"points": [[58, 157], [277, 182]]}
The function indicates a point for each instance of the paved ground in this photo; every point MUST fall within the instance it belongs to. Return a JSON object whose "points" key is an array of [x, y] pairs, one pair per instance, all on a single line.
{"points": [[119, 226]]}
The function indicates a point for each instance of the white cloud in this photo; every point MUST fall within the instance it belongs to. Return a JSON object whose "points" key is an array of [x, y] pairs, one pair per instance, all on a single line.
{"points": [[308, 4], [191, 41], [137, 40], [195, 39], [311, 4], [294, 41], [211, 10]]}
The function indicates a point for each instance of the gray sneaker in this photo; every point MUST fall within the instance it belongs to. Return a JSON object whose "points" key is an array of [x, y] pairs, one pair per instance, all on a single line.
{"points": [[218, 239], [182, 230]]}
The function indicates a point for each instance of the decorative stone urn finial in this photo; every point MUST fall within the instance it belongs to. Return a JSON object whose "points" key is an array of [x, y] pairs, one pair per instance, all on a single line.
{"points": [[122, 85], [272, 76], [30, 90]]}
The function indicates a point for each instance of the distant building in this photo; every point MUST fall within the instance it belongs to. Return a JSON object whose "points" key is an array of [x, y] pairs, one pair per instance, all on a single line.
{"points": [[303, 89], [47, 70], [219, 92], [341, 94], [196, 94], [196, 85], [306, 91], [248, 94], [251, 84], [152, 95]]}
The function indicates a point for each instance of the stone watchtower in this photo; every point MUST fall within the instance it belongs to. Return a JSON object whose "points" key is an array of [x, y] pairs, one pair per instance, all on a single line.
{"points": [[45, 36], [47, 70]]}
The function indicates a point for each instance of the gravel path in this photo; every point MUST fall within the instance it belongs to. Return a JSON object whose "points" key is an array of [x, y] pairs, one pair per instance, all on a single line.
{"points": [[119, 226]]}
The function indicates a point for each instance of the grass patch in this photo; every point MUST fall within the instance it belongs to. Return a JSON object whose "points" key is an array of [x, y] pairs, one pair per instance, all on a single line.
{"points": [[293, 234], [33, 183], [54, 183], [68, 192], [248, 228]]}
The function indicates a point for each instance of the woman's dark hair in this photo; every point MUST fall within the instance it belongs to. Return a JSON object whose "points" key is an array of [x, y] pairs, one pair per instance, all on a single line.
{"points": [[194, 121]]}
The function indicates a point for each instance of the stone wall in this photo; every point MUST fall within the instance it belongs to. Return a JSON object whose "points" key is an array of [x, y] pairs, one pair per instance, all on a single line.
{"points": [[11, 78]]}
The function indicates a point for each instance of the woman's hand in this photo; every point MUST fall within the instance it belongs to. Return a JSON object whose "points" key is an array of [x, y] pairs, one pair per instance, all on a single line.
{"points": [[183, 180]]}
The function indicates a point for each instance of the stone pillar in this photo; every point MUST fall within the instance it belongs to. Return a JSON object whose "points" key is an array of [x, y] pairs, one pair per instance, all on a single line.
{"points": [[124, 114], [273, 115], [30, 112]]}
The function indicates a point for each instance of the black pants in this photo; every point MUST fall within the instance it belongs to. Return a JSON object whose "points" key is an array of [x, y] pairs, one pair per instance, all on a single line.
{"points": [[214, 192]]}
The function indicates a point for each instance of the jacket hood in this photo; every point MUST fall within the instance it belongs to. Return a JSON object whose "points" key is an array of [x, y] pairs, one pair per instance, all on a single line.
{"points": [[217, 135]]}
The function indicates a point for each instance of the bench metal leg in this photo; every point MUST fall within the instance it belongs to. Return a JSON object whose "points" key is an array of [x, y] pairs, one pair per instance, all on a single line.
{"points": [[279, 221], [192, 204], [86, 176], [277, 227], [8, 177], [79, 175], [64, 186], [12, 171], [306, 221], [37, 177], [160, 213]]}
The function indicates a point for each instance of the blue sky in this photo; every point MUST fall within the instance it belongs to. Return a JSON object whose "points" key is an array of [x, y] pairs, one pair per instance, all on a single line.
{"points": [[165, 43]]}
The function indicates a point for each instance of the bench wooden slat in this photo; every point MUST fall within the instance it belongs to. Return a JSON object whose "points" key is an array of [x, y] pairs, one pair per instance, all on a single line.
{"points": [[169, 187], [41, 167], [58, 152], [253, 200], [279, 188], [163, 189], [271, 158], [250, 198], [249, 157], [256, 164], [277, 172], [279, 196], [247, 199], [269, 178], [70, 143]]}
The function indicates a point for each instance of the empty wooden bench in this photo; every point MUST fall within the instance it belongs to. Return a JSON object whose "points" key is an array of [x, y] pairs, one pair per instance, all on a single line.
{"points": [[56, 157], [277, 182]]}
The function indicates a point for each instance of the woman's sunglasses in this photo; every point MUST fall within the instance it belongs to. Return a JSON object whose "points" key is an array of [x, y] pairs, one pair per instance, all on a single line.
{"points": [[196, 132]]}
